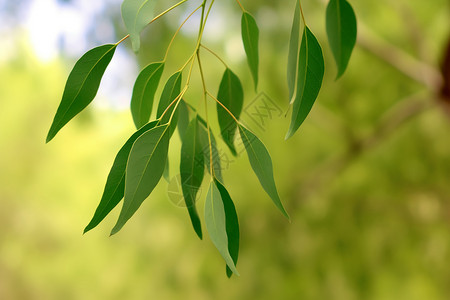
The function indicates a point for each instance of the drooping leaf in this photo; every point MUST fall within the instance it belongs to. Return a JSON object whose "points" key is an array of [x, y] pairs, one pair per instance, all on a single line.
{"points": [[216, 158], [309, 80], [292, 67], [215, 220], [231, 94], [341, 31], [191, 171], [136, 14], [232, 225], [144, 92], [250, 38], [183, 118], [115, 184], [145, 168], [82, 86], [261, 163], [170, 92], [166, 173]]}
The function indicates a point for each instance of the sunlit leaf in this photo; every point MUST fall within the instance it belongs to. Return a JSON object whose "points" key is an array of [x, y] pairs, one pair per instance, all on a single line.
{"points": [[82, 86], [231, 94], [144, 92], [261, 163], [191, 171], [136, 14], [250, 38], [115, 184], [292, 67], [309, 79], [341, 31], [171, 91], [232, 225], [215, 220], [144, 170]]}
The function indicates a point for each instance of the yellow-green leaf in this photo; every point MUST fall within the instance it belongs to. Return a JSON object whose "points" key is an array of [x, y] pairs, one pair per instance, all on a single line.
{"points": [[232, 225], [215, 220], [82, 86]]}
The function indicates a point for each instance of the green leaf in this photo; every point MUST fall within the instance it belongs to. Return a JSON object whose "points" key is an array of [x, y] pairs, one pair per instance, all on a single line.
{"points": [[215, 220], [293, 52], [261, 164], [232, 225], [341, 31], [183, 118], [191, 171], [250, 38], [171, 91], [309, 80], [166, 173], [144, 92], [231, 94], [145, 168], [204, 140], [137, 14], [115, 184], [82, 86]]}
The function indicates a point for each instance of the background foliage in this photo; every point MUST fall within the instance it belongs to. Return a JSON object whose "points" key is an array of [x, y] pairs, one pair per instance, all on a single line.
{"points": [[365, 180]]}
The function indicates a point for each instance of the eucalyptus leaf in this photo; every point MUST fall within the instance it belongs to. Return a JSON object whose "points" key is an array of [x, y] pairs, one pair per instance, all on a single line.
{"points": [[183, 118], [144, 93], [309, 79], [171, 91], [82, 85], [115, 184], [216, 158], [137, 14], [292, 67], [231, 95], [261, 163], [232, 225], [215, 220], [145, 168], [191, 171], [250, 38], [341, 31]]}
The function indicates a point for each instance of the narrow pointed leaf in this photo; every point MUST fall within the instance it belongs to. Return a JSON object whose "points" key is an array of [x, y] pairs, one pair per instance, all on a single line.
{"points": [[171, 91], [216, 158], [82, 86], [183, 118], [145, 168], [232, 225], [261, 163], [144, 93], [215, 220], [115, 184], [294, 43], [136, 14], [231, 94], [250, 38], [309, 80], [341, 31], [166, 174], [191, 171]]}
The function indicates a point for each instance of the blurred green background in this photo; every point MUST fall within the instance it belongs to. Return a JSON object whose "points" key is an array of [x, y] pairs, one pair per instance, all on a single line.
{"points": [[365, 180]]}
